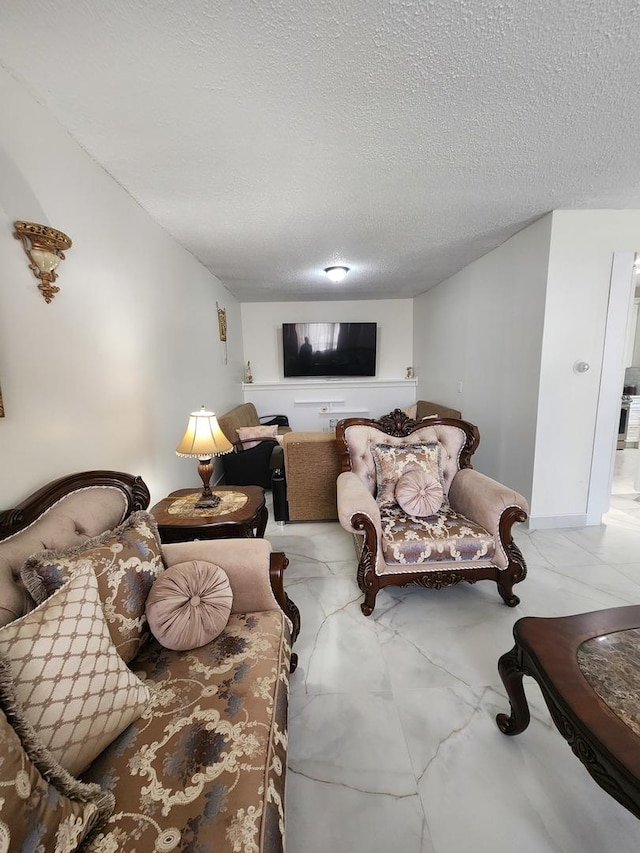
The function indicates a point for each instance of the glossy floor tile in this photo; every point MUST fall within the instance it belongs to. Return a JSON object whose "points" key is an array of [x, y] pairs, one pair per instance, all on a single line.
{"points": [[392, 739]]}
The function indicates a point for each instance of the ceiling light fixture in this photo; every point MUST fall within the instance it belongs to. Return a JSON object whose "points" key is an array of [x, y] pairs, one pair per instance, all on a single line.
{"points": [[336, 273]]}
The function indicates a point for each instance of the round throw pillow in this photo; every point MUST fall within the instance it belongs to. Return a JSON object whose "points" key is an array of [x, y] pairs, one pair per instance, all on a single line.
{"points": [[419, 493], [189, 605]]}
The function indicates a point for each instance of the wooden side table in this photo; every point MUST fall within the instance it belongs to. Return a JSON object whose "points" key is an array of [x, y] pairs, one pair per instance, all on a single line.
{"points": [[241, 513]]}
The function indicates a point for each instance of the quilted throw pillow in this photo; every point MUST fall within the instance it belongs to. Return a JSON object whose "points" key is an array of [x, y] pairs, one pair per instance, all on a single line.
{"points": [[126, 561], [253, 435], [394, 460], [42, 807], [419, 493], [75, 689]]}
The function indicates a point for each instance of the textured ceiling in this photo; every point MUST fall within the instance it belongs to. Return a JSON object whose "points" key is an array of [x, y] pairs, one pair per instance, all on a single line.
{"points": [[403, 139]]}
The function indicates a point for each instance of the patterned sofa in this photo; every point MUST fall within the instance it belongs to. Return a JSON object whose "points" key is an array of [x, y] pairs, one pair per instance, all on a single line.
{"points": [[201, 766]]}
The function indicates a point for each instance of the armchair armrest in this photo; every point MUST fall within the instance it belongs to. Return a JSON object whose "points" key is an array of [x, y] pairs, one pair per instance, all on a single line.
{"points": [[247, 562], [354, 498], [252, 442], [490, 504], [359, 513], [269, 420]]}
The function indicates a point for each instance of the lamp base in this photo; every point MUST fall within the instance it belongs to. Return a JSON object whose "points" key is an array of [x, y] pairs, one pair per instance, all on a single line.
{"points": [[207, 501]]}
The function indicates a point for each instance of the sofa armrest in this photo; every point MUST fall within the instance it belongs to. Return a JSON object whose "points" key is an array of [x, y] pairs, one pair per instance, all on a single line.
{"points": [[490, 504], [247, 562], [354, 498]]}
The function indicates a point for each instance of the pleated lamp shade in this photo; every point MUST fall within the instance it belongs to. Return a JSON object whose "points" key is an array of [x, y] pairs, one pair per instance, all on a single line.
{"points": [[203, 437]]}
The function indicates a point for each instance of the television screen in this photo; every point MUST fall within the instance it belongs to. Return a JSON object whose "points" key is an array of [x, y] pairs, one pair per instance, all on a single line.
{"points": [[329, 349]]}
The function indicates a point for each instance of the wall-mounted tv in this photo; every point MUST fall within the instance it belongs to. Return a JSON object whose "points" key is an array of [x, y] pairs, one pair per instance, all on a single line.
{"points": [[329, 349]]}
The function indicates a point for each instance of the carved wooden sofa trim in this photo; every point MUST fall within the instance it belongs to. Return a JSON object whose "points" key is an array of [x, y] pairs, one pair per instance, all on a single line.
{"points": [[360, 514]]}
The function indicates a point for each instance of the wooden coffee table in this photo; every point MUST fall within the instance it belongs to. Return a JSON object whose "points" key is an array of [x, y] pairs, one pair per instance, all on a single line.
{"points": [[588, 669], [241, 513]]}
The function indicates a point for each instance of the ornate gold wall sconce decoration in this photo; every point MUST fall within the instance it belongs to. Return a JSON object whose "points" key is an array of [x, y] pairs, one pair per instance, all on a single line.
{"points": [[44, 248]]}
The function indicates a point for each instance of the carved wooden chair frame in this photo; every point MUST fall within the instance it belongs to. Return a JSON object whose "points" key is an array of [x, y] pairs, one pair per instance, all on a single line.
{"points": [[397, 423]]}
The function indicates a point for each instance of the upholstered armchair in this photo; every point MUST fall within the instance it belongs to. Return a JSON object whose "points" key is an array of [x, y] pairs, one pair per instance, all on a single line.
{"points": [[256, 449], [420, 513]]}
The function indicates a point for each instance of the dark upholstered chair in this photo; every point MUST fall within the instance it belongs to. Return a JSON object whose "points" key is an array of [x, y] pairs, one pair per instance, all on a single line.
{"points": [[467, 538], [251, 465]]}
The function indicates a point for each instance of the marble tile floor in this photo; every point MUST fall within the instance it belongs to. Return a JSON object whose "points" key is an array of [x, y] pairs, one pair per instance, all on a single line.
{"points": [[392, 739]]}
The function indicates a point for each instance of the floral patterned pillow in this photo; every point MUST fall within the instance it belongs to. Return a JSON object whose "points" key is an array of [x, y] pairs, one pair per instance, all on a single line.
{"points": [[126, 560], [394, 460], [42, 806]]}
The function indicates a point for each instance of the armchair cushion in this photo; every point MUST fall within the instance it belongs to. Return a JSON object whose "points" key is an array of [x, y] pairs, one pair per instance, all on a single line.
{"points": [[392, 461], [419, 493], [438, 538]]}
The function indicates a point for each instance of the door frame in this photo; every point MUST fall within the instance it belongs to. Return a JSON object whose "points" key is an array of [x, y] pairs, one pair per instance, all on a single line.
{"points": [[621, 294]]}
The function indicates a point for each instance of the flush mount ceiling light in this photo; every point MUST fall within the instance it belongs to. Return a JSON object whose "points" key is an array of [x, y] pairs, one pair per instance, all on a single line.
{"points": [[336, 273], [44, 247]]}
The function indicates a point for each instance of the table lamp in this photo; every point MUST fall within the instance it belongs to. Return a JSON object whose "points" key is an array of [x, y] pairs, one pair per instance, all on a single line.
{"points": [[204, 439]]}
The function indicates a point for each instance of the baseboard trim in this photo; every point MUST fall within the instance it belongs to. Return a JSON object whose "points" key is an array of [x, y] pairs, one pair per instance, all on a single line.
{"points": [[547, 522]]}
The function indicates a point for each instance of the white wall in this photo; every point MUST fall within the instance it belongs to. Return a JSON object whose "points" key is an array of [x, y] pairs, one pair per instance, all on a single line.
{"points": [[316, 405], [483, 328], [105, 375], [582, 246], [307, 402], [262, 331]]}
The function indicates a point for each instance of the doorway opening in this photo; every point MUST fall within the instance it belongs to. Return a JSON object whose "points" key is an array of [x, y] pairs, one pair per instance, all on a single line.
{"points": [[625, 484]]}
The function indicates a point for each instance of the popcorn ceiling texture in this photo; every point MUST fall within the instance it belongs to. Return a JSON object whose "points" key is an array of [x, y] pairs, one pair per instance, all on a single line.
{"points": [[402, 138]]}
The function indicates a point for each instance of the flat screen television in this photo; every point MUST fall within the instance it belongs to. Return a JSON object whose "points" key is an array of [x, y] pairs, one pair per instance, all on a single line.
{"points": [[329, 349]]}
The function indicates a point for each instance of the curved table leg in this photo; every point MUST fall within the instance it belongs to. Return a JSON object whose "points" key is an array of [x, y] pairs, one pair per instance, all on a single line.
{"points": [[511, 674], [261, 526]]}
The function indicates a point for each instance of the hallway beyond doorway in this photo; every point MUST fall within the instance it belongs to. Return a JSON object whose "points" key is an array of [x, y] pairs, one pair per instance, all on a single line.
{"points": [[625, 500]]}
